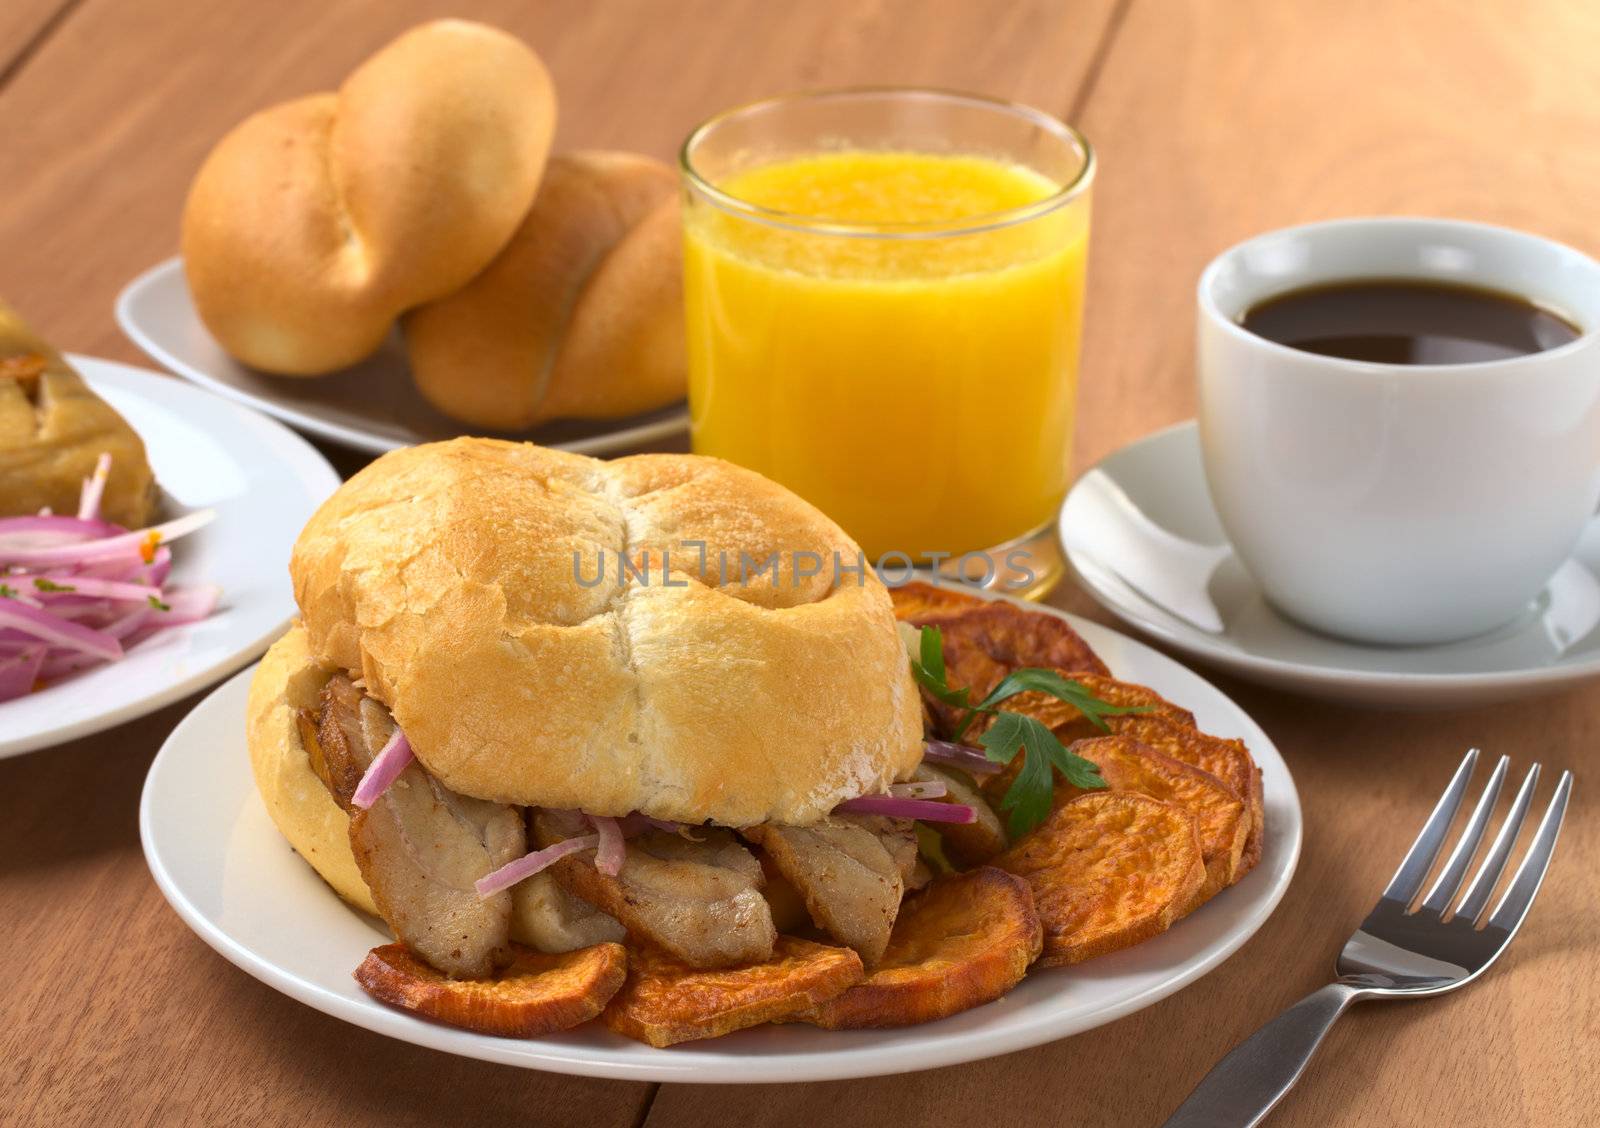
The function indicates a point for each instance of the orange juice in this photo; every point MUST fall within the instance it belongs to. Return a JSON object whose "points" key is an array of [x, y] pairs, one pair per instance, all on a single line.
{"points": [[872, 342]]}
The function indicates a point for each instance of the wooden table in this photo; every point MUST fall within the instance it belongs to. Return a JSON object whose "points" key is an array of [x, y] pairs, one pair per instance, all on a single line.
{"points": [[1213, 121]]}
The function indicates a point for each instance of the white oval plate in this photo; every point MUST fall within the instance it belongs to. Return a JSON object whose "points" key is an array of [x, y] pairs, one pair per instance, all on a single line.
{"points": [[230, 875], [372, 407], [1144, 539], [264, 482]]}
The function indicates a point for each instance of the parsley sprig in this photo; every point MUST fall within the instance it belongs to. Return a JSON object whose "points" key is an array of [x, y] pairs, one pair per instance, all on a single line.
{"points": [[1027, 801]]}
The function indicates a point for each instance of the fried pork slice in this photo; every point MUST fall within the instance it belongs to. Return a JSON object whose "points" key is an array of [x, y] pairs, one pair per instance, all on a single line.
{"points": [[851, 878], [421, 846], [545, 916], [700, 901], [967, 843]]}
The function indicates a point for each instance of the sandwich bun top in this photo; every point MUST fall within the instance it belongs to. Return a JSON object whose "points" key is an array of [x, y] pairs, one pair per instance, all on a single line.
{"points": [[477, 587]]}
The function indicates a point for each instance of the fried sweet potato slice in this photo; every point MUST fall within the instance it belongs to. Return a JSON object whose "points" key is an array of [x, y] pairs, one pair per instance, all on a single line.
{"points": [[984, 644], [1108, 870], [1227, 759], [918, 602], [1220, 815], [1168, 729], [665, 1001], [1068, 724], [964, 941], [535, 994]]}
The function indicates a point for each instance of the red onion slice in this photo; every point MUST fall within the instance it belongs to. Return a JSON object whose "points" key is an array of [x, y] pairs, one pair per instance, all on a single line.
{"points": [[394, 758], [186, 605], [43, 532], [92, 586], [58, 632], [61, 663], [923, 810], [608, 858], [19, 671], [136, 547], [94, 488], [929, 789], [530, 864], [969, 759]]}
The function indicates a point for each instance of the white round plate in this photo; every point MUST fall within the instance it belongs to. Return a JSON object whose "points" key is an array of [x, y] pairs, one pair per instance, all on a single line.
{"points": [[372, 407], [263, 480], [1141, 533], [235, 881]]}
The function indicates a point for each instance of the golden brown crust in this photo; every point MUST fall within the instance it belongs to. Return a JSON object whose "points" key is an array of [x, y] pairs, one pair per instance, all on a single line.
{"points": [[665, 1002], [966, 940], [581, 315], [536, 994], [53, 429], [445, 576], [315, 223]]}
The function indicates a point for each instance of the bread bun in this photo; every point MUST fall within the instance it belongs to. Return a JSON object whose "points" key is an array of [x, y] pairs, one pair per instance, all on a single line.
{"points": [[289, 679], [581, 315], [444, 575], [315, 223]]}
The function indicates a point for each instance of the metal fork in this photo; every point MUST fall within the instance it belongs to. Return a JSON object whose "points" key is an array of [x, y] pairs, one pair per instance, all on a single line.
{"points": [[1396, 953]]}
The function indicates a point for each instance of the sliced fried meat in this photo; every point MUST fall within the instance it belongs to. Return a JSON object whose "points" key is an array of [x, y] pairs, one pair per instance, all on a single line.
{"points": [[421, 846], [851, 872], [545, 916], [967, 843], [700, 901]]}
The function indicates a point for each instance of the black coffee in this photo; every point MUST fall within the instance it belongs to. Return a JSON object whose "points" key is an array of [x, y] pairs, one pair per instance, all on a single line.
{"points": [[1397, 321]]}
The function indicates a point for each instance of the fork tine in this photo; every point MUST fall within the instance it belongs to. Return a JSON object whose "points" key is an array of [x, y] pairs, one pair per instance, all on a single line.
{"points": [[1494, 864], [1514, 905], [1455, 868], [1420, 858]]}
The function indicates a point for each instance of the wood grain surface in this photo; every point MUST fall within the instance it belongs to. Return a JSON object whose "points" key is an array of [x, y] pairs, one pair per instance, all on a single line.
{"points": [[1213, 121]]}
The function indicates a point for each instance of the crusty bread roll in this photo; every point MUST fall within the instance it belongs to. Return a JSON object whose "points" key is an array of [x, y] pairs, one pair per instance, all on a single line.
{"points": [[448, 577], [315, 223], [53, 429], [581, 315]]}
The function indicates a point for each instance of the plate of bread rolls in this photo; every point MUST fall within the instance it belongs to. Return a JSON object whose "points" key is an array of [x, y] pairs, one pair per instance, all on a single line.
{"points": [[403, 260]]}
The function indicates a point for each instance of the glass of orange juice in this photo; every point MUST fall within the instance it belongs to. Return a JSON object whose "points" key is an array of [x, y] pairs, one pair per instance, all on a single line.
{"points": [[884, 291]]}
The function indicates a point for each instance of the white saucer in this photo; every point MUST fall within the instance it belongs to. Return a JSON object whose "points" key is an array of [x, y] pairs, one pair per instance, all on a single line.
{"points": [[1141, 533], [263, 480], [372, 407], [234, 880]]}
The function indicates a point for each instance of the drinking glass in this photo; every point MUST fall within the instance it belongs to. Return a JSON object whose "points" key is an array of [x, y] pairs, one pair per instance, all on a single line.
{"points": [[909, 369]]}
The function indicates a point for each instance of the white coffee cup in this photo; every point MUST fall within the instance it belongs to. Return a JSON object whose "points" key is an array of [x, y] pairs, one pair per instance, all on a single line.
{"points": [[1402, 504]]}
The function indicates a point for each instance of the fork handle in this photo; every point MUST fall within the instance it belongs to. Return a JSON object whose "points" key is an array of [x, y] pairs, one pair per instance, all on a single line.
{"points": [[1244, 1086]]}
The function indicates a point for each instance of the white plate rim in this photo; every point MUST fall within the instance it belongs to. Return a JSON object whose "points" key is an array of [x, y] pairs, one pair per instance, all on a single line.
{"points": [[96, 372], [1283, 671], [683, 1063], [602, 443]]}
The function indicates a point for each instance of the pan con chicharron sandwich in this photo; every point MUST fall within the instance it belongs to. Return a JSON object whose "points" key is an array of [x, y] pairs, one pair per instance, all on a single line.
{"points": [[442, 594], [543, 717]]}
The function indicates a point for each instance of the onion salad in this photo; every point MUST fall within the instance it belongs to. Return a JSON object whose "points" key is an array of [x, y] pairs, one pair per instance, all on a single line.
{"points": [[79, 591]]}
